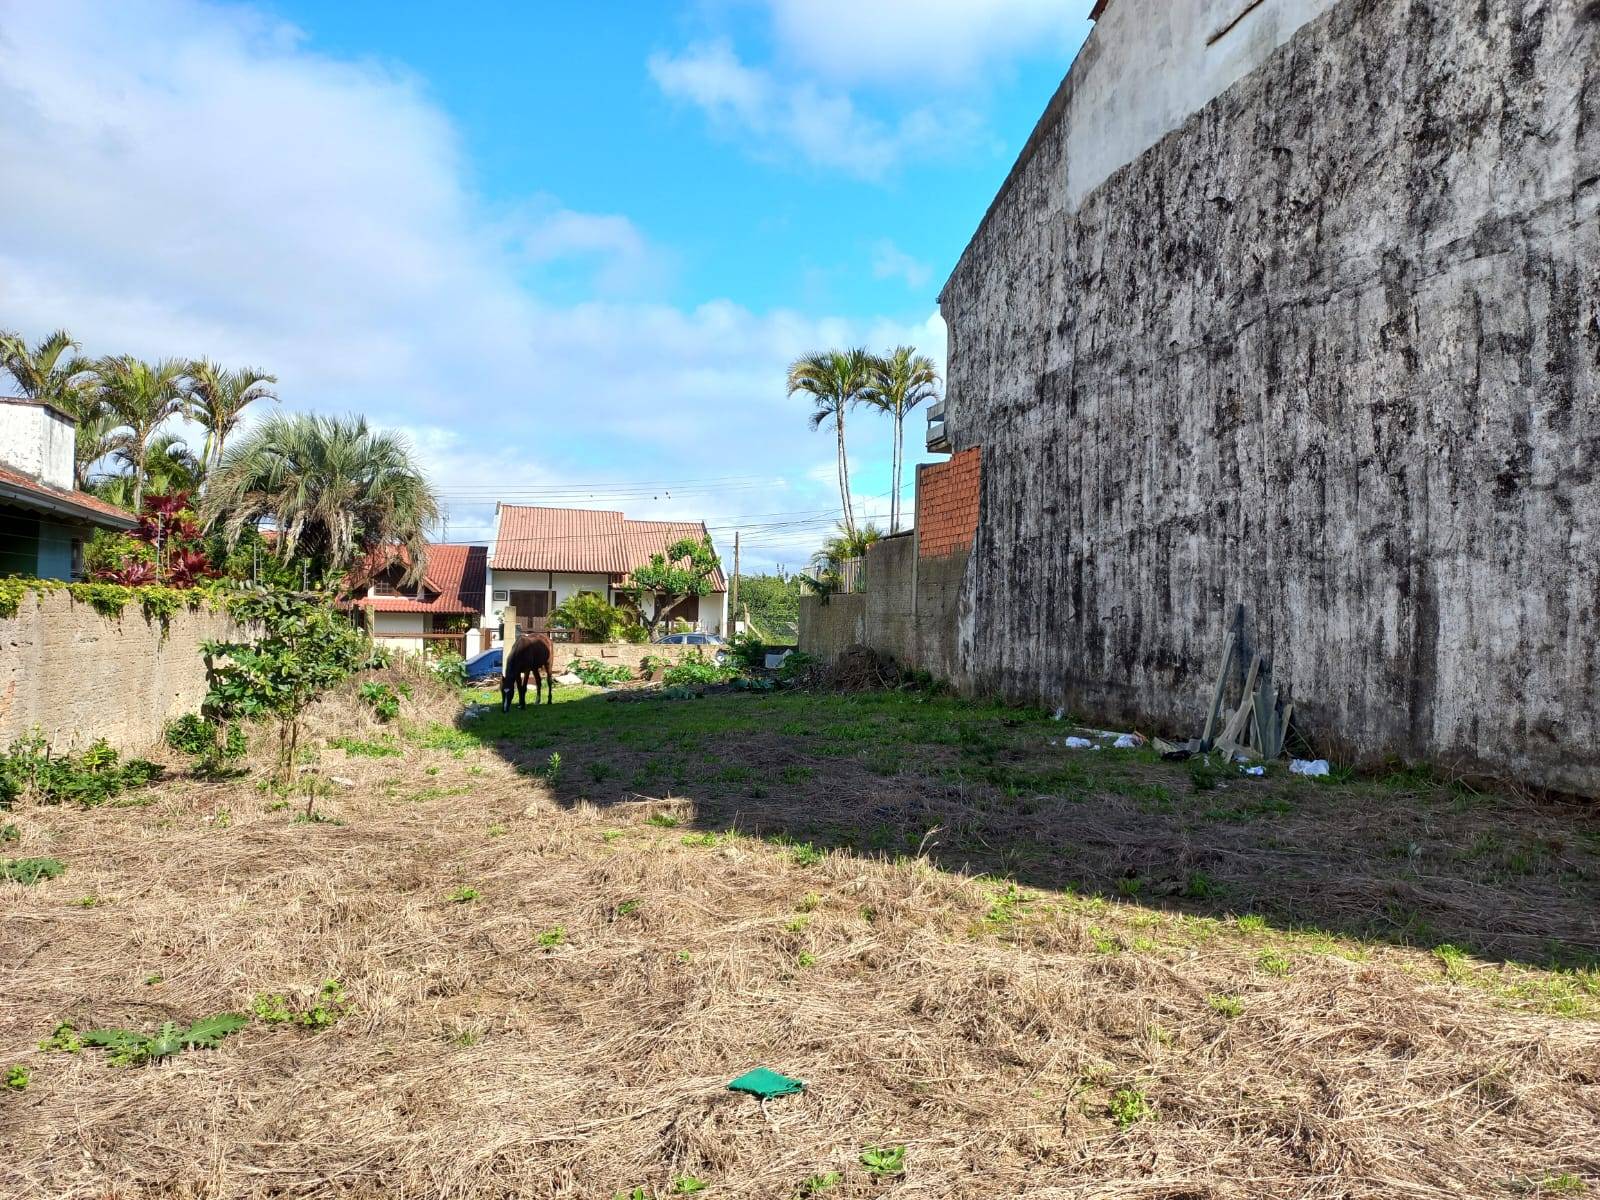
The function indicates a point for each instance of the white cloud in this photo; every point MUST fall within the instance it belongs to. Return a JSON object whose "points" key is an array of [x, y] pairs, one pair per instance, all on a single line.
{"points": [[800, 121], [918, 42], [611, 253], [183, 179], [891, 262]]}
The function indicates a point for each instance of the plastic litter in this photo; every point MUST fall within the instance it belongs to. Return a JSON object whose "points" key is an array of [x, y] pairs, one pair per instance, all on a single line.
{"points": [[1315, 766], [1078, 743], [766, 1084], [1257, 771], [1128, 741]]}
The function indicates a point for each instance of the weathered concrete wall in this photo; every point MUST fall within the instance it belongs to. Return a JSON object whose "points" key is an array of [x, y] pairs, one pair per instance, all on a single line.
{"points": [[1328, 352], [38, 441], [1150, 64], [78, 676], [909, 611]]}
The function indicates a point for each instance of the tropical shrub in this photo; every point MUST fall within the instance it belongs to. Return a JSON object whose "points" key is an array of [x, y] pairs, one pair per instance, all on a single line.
{"points": [[593, 618], [212, 742], [747, 652], [29, 769], [449, 668], [596, 673], [695, 669], [306, 646]]}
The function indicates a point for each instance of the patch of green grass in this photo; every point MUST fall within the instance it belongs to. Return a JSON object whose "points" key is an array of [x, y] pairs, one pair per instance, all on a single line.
{"points": [[662, 821], [464, 895], [1251, 923], [1227, 1006], [551, 938], [1564, 1184], [808, 903], [706, 839], [815, 1185], [498, 830], [435, 736], [685, 1185], [17, 1079], [628, 907], [805, 959], [384, 747], [10, 833], [92, 901], [1273, 963], [424, 795]]}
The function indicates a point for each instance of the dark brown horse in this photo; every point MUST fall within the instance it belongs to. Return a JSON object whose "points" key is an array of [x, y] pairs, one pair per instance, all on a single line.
{"points": [[532, 653]]}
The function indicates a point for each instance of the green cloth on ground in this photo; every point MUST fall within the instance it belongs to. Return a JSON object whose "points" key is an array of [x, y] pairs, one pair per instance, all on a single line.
{"points": [[766, 1084]]}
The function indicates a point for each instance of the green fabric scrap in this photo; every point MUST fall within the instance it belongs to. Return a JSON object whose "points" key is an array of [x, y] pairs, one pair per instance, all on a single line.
{"points": [[766, 1084]]}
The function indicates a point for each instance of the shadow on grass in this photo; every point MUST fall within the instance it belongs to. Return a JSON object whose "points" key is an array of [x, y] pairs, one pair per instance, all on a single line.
{"points": [[979, 788]]}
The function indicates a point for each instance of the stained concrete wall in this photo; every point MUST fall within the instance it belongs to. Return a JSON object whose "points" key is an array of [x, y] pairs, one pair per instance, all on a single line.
{"points": [[77, 676], [38, 441], [1329, 352], [1150, 64], [908, 612]]}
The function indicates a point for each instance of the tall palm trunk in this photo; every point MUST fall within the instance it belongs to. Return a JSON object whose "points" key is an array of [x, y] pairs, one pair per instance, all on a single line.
{"points": [[844, 474], [898, 459]]}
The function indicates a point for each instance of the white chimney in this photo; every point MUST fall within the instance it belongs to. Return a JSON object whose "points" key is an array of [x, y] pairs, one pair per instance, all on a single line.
{"points": [[38, 441]]}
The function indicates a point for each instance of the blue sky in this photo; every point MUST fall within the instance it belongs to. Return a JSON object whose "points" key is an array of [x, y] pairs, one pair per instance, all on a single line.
{"points": [[568, 247]]}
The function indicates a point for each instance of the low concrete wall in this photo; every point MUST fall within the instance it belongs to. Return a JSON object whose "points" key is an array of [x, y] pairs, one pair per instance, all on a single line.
{"points": [[77, 675], [910, 610]]}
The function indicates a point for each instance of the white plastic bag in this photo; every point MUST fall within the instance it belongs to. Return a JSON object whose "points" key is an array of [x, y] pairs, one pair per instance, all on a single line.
{"points": [[1316, 766]]}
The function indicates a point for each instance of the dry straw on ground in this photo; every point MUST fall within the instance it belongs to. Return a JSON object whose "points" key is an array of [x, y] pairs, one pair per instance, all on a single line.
{"points": [[569, 1031]]}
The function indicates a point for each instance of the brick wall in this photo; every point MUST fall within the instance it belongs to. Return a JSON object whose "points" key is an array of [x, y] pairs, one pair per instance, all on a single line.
{"points": [[947, 504]]}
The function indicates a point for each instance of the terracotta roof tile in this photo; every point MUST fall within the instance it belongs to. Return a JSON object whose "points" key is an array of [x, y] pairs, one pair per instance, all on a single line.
{"points": [[91, 507], [585, 541], [455, 578]]}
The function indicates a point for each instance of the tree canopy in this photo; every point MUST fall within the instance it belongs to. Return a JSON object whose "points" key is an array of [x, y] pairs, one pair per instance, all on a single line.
{"points": [[663, 584]]}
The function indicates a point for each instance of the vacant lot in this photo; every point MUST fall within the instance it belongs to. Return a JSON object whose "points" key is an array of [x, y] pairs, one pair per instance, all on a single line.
{"points": [[1045, 973]]}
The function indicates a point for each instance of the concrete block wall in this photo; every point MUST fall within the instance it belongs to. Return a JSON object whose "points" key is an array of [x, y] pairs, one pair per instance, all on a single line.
{"points": [[77, 675], [1329, 353]]}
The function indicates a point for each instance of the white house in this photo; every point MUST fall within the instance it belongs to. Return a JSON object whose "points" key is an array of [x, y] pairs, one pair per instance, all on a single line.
{"points": [[543, 556]]}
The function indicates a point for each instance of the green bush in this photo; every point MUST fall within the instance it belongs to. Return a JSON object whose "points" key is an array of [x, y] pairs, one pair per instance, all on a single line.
{"points": [[596, 673], [306, 646], [28, 768], [747, 652], [594, 618], [449, 668], [211, 742], [695, 669], [384, 700], [797, 665]]}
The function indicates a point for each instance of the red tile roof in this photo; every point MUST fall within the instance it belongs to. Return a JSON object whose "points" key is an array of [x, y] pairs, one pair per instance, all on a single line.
{"points": [[453, 583], [24, 488], [585, 541]]}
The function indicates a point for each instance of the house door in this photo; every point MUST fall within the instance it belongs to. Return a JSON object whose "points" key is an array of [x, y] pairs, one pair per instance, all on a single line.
{"points": [[533, 610]]}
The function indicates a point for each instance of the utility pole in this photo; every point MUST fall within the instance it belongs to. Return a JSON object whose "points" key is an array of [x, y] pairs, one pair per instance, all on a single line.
{"points": [[733, 598]]}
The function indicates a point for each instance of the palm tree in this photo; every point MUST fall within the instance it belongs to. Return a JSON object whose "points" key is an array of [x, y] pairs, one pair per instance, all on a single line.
{"points": [[142, 397], [217, 399], [334, 489], [834, 380], [170, 465], [54, 373], [845, 545], [900, 382]]}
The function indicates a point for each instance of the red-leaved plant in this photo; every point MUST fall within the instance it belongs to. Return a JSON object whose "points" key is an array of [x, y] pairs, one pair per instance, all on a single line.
{"points": [[167, 525]]}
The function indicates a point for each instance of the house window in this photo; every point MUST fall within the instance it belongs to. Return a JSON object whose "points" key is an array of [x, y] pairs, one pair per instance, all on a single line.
{"points": [[502, 596], [77, 558]]}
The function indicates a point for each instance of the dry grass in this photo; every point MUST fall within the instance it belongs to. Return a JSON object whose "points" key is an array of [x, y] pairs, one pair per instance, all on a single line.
{"points": [[570, 1031]]}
